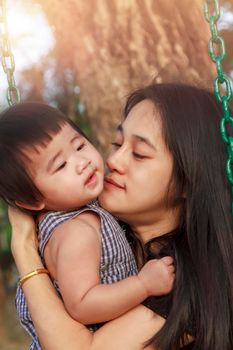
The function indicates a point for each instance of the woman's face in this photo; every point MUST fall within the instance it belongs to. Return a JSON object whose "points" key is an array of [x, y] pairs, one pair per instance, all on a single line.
{"points": [[140, 168]]}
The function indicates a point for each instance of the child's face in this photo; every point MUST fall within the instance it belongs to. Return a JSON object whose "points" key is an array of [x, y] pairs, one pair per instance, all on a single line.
{"points": [[68, 171]]}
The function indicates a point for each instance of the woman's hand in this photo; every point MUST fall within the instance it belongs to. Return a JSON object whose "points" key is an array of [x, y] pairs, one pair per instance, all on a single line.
{"points": [[23, 232]]}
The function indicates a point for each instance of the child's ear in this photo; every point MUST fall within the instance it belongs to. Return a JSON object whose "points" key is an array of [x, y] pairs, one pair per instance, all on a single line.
{"points": [[36, 207]]}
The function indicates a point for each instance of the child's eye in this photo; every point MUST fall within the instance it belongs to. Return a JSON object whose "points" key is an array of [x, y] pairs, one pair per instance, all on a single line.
{"points": [[80, 146], [61, 166]]}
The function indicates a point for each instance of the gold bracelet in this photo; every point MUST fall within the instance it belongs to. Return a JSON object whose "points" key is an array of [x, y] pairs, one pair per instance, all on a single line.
{"points": [[31, 274]]}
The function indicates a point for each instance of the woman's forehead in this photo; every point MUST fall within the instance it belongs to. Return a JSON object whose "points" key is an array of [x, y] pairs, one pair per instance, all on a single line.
{"points": [[143, 119], [144, 110]]}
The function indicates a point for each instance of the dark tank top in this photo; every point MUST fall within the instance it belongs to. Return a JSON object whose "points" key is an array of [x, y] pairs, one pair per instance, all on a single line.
{"points": [[161, 305]]}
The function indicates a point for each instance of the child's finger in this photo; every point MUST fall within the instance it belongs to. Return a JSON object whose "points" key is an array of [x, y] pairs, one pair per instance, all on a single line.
{"points": [[171, 268], [168, 260]]}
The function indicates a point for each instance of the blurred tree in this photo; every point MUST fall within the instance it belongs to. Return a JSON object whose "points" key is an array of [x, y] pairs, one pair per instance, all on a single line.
{"points": [[226, 28], [228, 62], [2, 300], [5, 260], [111, 47]]}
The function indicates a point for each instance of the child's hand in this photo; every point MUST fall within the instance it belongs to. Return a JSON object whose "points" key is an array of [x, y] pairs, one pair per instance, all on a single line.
{"points": [[157, 276]]}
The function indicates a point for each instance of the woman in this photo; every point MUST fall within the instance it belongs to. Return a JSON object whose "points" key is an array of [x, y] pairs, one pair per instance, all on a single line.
{"points": [[167, 182]]}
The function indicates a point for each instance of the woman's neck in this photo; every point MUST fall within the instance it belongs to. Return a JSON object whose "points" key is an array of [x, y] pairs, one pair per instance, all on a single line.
{"points": [[156, 228]]}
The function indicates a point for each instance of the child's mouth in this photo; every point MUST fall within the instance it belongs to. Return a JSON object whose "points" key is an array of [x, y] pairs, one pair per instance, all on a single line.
{"points": [[91, 180]]}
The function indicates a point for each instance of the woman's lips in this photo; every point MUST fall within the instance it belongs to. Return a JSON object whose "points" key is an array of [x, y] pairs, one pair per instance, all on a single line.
{"points": [[111, 182]]}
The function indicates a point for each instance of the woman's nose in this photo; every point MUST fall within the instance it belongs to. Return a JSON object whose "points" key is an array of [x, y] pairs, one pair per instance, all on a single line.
{"points": [[117, 161]]}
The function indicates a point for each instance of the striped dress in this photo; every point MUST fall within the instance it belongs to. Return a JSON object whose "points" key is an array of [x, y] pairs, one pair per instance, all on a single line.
{"points": [[117, 260]]}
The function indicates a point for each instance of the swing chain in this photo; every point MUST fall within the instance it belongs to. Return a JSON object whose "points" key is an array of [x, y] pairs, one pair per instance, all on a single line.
{"points": [[8, 62], [222, 83]]}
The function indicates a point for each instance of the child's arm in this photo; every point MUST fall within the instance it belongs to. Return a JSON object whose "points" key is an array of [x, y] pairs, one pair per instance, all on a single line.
{"points": [[73, 257]]}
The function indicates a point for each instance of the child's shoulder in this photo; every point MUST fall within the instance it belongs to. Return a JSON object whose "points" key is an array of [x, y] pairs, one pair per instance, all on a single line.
{"points": [[85, 227], [86, 219], [85, 215], [89, 218]]}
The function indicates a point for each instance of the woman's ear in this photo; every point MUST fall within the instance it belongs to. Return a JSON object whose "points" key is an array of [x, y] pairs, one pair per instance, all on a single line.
{"points": [[36, 207]]}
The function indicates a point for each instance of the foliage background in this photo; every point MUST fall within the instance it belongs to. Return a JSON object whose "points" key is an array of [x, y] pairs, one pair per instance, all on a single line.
{"points": [[99, 51]]}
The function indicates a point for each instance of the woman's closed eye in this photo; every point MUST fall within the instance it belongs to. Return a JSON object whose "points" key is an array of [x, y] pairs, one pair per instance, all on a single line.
{"points": [[138, 156], [115, 145]]}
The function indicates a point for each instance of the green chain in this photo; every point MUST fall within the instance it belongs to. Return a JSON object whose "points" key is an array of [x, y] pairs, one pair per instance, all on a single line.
{"points": [[221, 81], [8, 62]]}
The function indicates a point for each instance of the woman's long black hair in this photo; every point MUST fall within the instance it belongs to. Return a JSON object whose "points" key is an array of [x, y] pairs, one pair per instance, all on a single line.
{"points": [[202, 299]]}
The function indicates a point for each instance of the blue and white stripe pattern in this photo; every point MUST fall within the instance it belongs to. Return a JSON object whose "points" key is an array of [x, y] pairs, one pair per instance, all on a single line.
{"points": [[117, 260]]}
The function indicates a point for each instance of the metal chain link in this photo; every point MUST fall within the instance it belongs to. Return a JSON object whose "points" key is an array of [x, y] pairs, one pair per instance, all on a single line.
{"points": [[8, 62], [222, 83]]}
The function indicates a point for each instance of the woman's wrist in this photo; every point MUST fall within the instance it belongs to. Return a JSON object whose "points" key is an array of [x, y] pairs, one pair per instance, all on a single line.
{"points": [[27, 259], [32, 274]]}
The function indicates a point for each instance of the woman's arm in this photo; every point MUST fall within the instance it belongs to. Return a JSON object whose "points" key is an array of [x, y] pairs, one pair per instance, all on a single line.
{"points": [[55, 328], [47, 310]]}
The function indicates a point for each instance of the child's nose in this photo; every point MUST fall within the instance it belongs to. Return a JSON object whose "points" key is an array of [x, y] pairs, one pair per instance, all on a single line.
{"points": [[82, 164]]}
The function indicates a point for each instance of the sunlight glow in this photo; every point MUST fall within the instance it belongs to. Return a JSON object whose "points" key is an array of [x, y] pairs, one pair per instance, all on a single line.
{"points": [[226, 18], [30, 35], [31, 39]]}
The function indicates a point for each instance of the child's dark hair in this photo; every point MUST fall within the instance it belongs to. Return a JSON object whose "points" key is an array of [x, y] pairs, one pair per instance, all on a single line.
{"points": [[25, 125]]}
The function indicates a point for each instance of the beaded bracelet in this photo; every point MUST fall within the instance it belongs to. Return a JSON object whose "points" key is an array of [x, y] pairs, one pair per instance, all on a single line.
{"points": [[31, 274]]}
